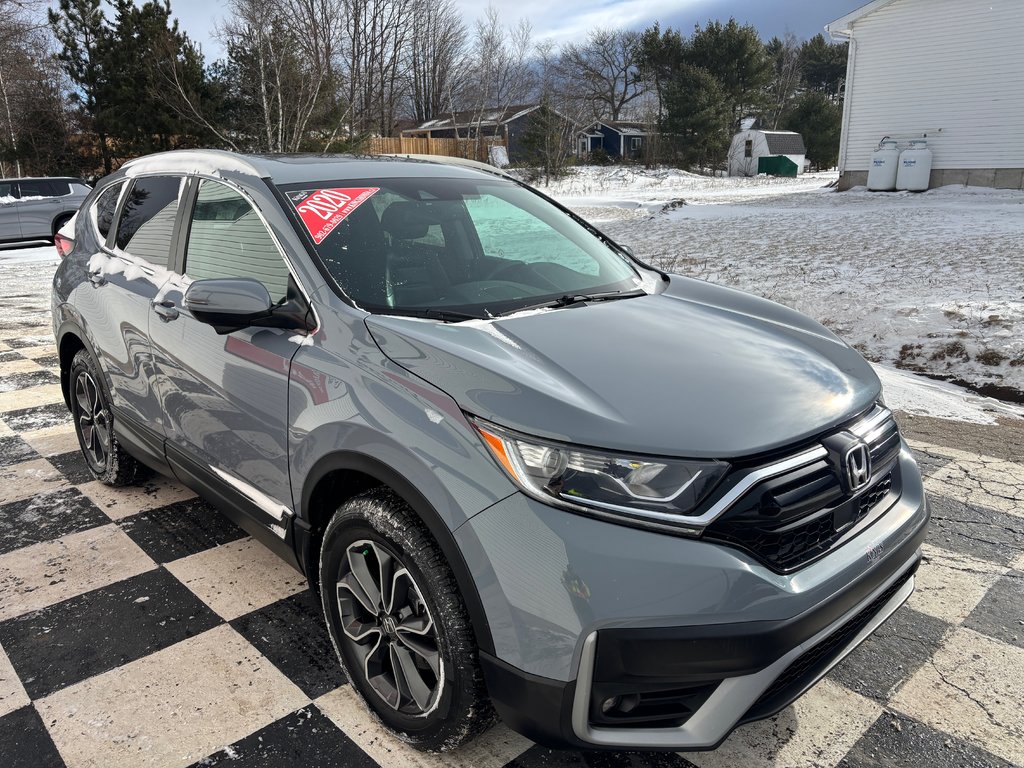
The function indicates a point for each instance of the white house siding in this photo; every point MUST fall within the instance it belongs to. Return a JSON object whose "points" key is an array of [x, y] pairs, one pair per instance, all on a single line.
{"points": [[950, 69]]}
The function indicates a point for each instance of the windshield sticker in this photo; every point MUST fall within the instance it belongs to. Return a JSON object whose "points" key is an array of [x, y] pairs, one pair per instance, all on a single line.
{"points": [[322, 210]]}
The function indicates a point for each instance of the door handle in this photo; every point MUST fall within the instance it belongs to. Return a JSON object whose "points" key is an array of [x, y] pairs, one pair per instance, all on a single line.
{"points": [[97, 279], [166, 309]]}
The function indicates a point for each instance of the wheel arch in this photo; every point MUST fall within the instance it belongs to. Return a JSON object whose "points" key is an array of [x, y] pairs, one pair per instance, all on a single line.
{"points": [[341, 475], [70, 339]]}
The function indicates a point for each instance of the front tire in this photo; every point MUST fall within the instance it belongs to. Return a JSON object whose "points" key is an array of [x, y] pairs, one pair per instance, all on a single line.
{"points": [[94, 424], [398, 624]]}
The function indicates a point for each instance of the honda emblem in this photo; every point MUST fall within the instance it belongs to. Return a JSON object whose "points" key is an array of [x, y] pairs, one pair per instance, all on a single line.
{"points": [[858, 467]]}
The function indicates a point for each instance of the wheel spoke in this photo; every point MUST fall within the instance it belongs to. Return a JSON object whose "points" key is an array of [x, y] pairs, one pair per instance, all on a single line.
{"points": [[365, 574], [416, 625], [352, 585], [82, 396], [426, 650], [408, 677], [94, 395]]}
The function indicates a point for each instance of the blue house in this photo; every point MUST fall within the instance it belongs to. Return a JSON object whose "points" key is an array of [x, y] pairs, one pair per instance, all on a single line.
{"points": [[617, 138]]}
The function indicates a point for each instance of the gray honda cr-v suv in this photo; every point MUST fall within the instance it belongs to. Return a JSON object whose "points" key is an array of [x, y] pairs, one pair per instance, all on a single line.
{"points": [[526, 472]]}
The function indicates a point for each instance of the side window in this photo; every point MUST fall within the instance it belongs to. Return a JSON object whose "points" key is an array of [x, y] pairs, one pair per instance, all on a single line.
{"points": [[227, 239], [7, 191], [147, 221], [105, 207], [748, 148], [506, 231], [60, 187], [35, 188]]}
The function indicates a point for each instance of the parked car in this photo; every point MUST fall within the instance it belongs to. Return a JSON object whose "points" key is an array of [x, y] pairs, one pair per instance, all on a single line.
{"points": [[525, 472], [35, 209]]}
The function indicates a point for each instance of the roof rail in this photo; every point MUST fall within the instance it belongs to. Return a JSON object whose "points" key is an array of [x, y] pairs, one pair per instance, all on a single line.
{"points": [[462, 161]]}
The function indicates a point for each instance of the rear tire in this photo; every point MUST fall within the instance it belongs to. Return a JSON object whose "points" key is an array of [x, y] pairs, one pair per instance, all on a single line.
{"points": [[408, 648], [107, 460]]}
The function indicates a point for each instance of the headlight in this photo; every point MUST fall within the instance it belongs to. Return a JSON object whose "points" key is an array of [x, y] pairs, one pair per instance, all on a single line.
{"points": [[660, 490]]}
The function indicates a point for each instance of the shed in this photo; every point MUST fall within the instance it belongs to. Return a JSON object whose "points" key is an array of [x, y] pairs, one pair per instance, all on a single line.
{"points": [[946, 70], [748, 147], [617, 138], [508, 123]]}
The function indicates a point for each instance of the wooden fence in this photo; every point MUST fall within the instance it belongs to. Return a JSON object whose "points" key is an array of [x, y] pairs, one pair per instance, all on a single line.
{"points": [[471, 149]]}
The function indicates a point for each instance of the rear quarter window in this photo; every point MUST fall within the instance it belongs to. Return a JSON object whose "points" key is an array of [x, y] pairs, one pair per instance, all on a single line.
{"points": [[104, 209]]}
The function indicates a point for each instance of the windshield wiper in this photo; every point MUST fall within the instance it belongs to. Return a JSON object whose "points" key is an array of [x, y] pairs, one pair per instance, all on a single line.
{"points": [[451, 315], [571, 299]]}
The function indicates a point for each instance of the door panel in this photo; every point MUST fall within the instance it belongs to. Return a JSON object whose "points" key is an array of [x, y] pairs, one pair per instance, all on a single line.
{"points": [[225, 397], [37, 208], [124, 283], [10, 228]]}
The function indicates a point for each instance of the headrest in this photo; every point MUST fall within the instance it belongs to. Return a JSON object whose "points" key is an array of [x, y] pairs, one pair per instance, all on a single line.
{"points": [[406, 221]]}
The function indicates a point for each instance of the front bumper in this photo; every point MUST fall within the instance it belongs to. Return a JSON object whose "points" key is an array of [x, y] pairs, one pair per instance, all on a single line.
{"points": [[700, 626]]}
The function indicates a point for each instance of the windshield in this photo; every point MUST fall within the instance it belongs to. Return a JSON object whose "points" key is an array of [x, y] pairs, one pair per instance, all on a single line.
{"points": [[435, 247]]}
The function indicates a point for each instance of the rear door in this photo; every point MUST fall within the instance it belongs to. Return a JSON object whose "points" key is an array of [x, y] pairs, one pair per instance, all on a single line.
{"points": [[224, 398], [37, 208], [126, 276], [10, 227]]}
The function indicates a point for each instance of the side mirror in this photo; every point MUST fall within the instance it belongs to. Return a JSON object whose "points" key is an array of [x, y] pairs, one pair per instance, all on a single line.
{"points": [[228, 303]]}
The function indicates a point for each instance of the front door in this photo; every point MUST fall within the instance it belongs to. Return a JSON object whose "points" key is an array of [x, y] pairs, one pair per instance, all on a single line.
{"points": [[37, 208], [225, 397]]}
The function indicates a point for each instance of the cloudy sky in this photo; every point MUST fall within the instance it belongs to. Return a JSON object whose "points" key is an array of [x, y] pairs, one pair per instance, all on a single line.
{"points": [[570, 19]]}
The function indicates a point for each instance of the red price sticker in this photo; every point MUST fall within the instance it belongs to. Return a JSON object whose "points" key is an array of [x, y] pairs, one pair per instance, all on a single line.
{"points": [[322, 210]]}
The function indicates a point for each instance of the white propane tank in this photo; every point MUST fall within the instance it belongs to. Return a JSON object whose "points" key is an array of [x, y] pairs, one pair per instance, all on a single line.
{"points": [[915, 167], [885, 162]]}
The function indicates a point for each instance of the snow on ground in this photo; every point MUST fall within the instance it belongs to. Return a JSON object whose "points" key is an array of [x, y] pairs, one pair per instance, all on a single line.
{"points": [[26, 272], [930, 282]]}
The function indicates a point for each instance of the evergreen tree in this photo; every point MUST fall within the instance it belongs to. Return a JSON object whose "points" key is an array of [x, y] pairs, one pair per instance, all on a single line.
{"points": [[819, 120], [81, 29], [823, 65], [697, 118], [736, 56]]}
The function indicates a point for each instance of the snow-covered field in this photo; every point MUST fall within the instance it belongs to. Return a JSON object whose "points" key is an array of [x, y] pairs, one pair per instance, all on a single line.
{"points": [[930, 282]]}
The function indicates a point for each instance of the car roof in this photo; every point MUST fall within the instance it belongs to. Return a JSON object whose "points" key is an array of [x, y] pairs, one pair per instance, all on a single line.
{"points": [[289, 169], [44, 178]]}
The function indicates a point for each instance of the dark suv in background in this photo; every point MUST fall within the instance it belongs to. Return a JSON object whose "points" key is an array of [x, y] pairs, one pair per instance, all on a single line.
{"points": [[35, 209], [527, 473]]}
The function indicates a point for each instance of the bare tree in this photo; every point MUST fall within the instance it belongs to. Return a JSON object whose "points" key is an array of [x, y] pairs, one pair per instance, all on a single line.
{"points": [[784, 55], [604, 68], [282, 59], [437, 52], [376, 33]]}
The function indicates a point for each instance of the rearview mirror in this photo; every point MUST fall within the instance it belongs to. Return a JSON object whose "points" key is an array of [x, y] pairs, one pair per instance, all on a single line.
{"points": [[228, 303]]}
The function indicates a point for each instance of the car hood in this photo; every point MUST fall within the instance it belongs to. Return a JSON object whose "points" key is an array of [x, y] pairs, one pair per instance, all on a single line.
{"points": [[697, 370]]}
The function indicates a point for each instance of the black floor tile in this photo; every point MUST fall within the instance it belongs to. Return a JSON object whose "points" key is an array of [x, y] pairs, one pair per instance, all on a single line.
{"points": [[14, 450], [7, 355], [64, 643], [73, 466], [25, 742], [45, 517], [1000, 614], [891, 656], [12, 382], [896, 741], [976, 531], [304, 738], [291, 633], [541, 757], [50, 361], [180, 529], [22, 342], [39, 417]]}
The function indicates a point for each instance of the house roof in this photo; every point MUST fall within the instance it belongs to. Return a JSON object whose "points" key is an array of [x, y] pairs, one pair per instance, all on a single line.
{"points": [[841, 26], [785, 143], [624, 127], [472, 117]]}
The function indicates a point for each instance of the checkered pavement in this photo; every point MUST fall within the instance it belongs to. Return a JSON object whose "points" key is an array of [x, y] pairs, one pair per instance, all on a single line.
{"points": [[138, 627]]}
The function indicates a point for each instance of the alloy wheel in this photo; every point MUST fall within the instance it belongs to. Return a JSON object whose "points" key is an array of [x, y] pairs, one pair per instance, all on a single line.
{"points": [[388, 628], [91, 421]]}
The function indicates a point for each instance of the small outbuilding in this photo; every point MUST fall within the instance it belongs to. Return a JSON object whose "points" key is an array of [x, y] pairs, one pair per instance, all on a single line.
{"points": [[778, 153]]}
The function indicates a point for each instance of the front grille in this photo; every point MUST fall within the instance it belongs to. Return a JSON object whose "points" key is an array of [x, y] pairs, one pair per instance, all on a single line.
{"points": [[809, 666], [792, 519]]}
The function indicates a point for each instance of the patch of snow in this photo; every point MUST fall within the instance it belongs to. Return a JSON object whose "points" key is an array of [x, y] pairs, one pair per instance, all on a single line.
{"points": [[918, 395]]}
